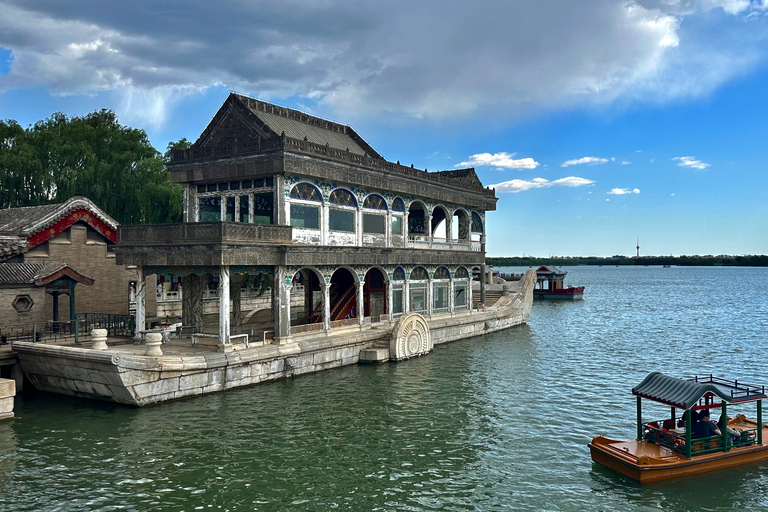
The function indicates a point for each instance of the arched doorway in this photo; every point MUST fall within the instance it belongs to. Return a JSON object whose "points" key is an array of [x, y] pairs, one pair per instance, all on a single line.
{"points": [[342, 295], [440, 229], [460, 225], [307, 296], [417, 220], [375, 295]]}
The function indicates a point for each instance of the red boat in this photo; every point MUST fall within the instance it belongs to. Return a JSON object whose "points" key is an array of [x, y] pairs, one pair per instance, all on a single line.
{"points": [[549, 285]]}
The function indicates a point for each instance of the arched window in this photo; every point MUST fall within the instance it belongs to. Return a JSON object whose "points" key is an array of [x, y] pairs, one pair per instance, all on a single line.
{"points": [[375, 202], [398, 205], [342, 219], [342, 198], [398, 274], [442, 273], [461, 273], [305, 216], [419, 273], [477, 223], [306, 192]]}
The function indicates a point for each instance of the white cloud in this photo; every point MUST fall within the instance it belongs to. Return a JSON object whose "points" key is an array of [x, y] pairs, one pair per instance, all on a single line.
{"points": [[397, 58], [500, 161], [625, 162], [691, 162], [591, 160], [622, 191], [514, 186]]}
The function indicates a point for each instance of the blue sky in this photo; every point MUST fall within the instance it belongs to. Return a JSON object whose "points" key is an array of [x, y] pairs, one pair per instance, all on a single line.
{"points": [[598, 122]]}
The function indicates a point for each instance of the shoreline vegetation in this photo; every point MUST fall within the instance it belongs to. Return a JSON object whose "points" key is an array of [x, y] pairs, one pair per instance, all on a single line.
{"points": [[747, 260]]}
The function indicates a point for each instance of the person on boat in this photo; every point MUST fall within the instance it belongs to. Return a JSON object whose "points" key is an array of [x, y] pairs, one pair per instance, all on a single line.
{"points": [[723, 422], [703, 427]]}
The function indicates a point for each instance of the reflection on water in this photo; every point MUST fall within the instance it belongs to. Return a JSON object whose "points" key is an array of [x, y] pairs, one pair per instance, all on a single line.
{"points": [[496, 422]]}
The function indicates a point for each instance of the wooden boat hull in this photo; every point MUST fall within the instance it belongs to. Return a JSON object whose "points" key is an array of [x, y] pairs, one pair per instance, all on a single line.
{"points": [[570, 293], [646, 462]]}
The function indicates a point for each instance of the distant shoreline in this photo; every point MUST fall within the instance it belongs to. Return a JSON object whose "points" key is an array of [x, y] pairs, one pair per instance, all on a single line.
{"points": [[757, 260]]}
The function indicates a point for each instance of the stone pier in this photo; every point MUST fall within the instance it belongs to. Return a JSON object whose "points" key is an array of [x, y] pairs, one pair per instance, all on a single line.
{"points": [[7, 392]]}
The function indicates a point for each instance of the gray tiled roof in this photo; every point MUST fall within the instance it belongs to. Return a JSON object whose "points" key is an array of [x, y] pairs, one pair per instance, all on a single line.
{"points": [[28, 273], [28, 220], [299, 125], [14, 220], [684, 394]]}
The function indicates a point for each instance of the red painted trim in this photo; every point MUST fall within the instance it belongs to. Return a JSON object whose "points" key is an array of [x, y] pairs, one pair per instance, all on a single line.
{"points": [[79, 215]]}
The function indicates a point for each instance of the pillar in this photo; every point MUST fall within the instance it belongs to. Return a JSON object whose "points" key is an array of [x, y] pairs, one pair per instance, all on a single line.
{"points": [[359, 226], [324, 220], [451, 296], [428, 226], [406, 296], [390, 301], [430, 294], [388, 229], [360, 307], [55, 306], [326, 306], [282, 305], [469, 294], [72, 308], [224, 311], [237, 288], [406, 229], [140, 316]]}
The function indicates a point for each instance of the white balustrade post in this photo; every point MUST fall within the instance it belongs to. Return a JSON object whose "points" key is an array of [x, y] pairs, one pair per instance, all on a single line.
{"points": [[99, 338]]}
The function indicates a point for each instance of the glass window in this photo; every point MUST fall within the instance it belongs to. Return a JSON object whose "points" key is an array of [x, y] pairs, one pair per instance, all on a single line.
{"points": [[223, 186], [258, 183], [234, 185], [244, 207], [247, 184], [262, 209], [375, 202], [212, 187], [341, 220], [442, 273], [418, 296], [210, 209], [419, 273], [306, 192], [374, 223], [201, 189], [477, 223], [398, 205], [397, 225], [398, 274], [304, 216], [397, 300], [268, 182], [230, 209], [460, 295], [440, 296], [461, 273], [342, 197]]}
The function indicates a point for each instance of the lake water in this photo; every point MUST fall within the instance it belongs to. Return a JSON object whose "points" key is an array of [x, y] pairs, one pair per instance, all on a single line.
{"points": [[497, 422]]}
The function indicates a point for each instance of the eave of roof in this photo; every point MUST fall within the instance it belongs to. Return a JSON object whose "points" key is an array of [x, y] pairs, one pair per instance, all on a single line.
{"points": [[40, 274], [684, 394]]}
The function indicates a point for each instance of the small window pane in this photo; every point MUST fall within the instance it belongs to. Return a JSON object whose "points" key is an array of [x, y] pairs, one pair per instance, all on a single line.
{"points": [[418, 296], [460, 295], [477, 223], [230, 209], [340, 220], [223, 186], [374, 223], [397, 301], [375, 202], [442, 273], [268, 182], [210, 209], [306, 192], [201, 189], [419, 273], [258, 183], [342, 197], [397, 225], [247, 184], [262, 208], [398, 274], [212, 187], [398, 205], [304, 216], [244, 208], [461, 273], [440, 296], [234, 185]]}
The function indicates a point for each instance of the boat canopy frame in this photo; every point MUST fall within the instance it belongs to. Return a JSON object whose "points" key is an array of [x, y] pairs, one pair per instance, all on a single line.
{"points": [[687, 394]]}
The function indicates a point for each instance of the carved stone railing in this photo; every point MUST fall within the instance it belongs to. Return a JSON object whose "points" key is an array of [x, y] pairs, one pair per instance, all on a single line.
{"points": [[443, 244], [311, 148], [203, 233]]}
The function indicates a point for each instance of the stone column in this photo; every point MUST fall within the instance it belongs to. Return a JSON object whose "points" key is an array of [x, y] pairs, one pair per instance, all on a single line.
{"points": [[326, 306], [451, 296], [390, 302], [282, 305], [190, 203], [388, 229], [359, 227], [406, 228], [99, 338], [224, 311], [237, 288], [324, 220], [360, 306], [469, 295], [483, 270], [72, 308], [449, 227], [428, 226], [430, 295], [406, 296], [154, 342], [140, 318]]}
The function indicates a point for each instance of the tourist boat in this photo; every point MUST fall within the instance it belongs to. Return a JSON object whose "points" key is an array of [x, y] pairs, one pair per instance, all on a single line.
{"points": [[549, 285], [667, 448]]}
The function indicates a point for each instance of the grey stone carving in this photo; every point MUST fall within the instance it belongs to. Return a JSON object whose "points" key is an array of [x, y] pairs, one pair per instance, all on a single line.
{"points": [[410, 337]]}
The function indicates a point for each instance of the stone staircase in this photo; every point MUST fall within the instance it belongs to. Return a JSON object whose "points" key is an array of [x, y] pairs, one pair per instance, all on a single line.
{"points": [[491, 297]]}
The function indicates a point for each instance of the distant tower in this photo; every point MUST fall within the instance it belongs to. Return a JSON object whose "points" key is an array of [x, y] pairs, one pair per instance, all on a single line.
{"points": [[638, 247]]}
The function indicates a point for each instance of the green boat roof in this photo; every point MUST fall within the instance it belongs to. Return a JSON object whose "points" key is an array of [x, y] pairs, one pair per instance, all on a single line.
{"points": [[685, 393]]}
